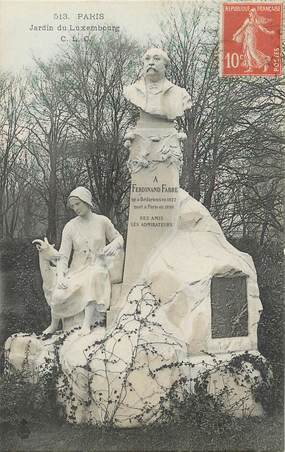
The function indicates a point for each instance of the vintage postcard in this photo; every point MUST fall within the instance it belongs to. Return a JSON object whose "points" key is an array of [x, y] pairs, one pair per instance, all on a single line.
{"points": [[141, 223]]}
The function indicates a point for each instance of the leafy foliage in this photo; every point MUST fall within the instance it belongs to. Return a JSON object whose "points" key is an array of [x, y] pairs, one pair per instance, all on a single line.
{"points": [[24, 305], [24, 398], [268, 260]]}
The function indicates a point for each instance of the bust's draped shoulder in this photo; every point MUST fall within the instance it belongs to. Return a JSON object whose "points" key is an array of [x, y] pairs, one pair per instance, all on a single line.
{"points": [[174, 100]]}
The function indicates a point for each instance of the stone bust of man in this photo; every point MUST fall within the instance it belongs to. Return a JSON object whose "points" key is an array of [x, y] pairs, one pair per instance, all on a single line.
{"points": [[153, 93]]}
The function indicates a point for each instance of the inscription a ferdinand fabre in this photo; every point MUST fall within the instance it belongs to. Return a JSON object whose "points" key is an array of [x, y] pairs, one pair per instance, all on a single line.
{"points": [[229, 307]]}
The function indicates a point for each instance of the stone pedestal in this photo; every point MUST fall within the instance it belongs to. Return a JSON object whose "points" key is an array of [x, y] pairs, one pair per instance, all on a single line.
{"points": [[152, 216], [207, 288], [125, 377], [238, 380], [155, 162]]}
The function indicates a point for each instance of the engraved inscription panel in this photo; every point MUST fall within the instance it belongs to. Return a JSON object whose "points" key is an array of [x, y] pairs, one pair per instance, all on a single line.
{"points": [[229, 307]]}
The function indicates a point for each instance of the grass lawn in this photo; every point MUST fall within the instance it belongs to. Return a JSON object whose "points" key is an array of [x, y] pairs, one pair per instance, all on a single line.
{"points": [[250, 435]]}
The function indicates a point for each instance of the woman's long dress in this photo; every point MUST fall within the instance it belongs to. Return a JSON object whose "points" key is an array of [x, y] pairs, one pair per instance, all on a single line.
{"points": [[88, 277], [253, 57]]}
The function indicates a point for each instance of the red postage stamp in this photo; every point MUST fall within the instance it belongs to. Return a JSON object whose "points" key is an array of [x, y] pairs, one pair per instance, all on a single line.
{"points": [[251, 39]]}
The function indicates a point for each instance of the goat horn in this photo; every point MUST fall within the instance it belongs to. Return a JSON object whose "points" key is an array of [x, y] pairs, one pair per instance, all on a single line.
{"points": [[38, 241]]}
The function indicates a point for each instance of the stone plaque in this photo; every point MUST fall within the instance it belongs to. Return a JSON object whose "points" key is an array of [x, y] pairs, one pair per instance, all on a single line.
{"points": [[229, 307], [152, 214]]}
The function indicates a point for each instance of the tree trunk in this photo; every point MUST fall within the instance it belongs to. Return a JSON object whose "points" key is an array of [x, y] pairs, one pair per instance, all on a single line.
{"points": [[1, 225], [1, 215], [52, 200], [209, 193], [27, 215]]}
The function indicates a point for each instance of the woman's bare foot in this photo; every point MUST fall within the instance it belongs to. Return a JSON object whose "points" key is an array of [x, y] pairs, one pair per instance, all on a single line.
{"points": [[53, 326], [50, 330]]}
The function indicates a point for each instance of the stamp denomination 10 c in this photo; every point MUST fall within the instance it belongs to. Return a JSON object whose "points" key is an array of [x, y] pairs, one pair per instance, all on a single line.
{"points": [[251, 39]]}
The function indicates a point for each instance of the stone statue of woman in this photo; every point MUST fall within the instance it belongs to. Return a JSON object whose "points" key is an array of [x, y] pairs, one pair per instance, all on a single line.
{"points": [[85, 285]]}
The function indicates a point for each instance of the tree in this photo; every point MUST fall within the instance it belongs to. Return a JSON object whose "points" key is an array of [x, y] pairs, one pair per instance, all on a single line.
{"points": [[12, 139], [92, 89], [232, 156], [47, 121]]}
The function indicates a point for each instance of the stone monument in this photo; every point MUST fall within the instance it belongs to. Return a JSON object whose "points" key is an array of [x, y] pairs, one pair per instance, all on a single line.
{"points": [[155, 162], [188, 312], [81, 292]]}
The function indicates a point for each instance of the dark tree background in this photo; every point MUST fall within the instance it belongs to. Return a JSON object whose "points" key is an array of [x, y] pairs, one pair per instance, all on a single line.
{"points": [[62, 125]]}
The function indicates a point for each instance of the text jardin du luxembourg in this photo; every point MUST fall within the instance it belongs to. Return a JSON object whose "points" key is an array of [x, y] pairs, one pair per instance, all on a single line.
{"points": [[60, 27]]}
